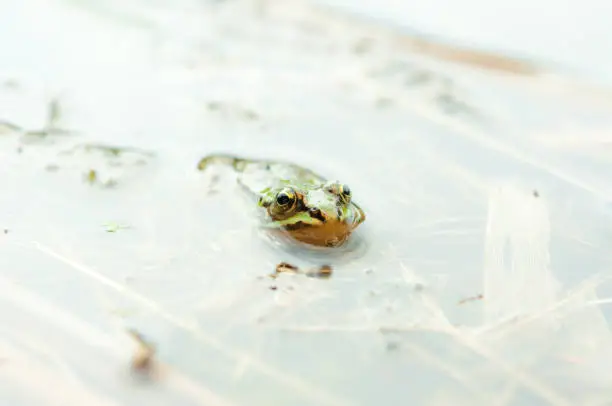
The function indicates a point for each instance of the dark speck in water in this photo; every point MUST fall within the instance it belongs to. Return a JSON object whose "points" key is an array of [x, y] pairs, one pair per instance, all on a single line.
{"points": [[364, 45], [471, 299], [419, 78], [213, 106], [143, 358], [250, 115], [384, 102], [392, 346], [91, 176], [450, 104], [11, 84]]}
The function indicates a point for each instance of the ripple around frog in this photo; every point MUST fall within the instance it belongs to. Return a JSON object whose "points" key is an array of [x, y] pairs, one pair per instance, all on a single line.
{"points": [[352, 249], [355, 247]]}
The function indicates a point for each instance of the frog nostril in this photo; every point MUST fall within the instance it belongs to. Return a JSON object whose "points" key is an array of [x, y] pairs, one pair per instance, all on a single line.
{"points": [[316, 213]]}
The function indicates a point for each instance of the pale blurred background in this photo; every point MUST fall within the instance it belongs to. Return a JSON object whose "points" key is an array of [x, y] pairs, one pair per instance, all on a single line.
{"points": [[476, 135]]}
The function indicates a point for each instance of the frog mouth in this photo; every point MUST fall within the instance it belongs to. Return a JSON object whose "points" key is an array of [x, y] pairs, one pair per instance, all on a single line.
{"points": [[298, 226], [329, 234], [313, 227]]}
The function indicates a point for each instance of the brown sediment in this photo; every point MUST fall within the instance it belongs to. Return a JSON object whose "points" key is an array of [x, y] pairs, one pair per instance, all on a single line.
{"points": [[467, 56], [284, 267], [471, 299], [324, 271], [144, 355], [429, 47]]}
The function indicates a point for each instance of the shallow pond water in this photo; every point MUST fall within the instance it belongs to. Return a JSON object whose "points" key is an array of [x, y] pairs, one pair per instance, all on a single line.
{"points": [[479, 277]]}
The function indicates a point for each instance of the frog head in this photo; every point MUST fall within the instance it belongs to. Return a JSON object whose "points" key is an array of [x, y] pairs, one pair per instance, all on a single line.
{"points": [[315, 214]]}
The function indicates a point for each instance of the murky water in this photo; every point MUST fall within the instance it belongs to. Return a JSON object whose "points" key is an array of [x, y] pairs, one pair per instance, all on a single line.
{"points": [[479, 276]]}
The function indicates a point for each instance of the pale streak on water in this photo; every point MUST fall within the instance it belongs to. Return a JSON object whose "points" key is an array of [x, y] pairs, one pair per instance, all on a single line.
{"points": [[518, 279]]}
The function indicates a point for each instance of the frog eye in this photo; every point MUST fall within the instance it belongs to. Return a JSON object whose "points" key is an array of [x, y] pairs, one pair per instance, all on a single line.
{"points": [[345, 193], [286, 198]]}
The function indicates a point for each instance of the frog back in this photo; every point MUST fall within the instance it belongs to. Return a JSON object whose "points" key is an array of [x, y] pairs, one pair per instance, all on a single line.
{"points": [[259, 176]]}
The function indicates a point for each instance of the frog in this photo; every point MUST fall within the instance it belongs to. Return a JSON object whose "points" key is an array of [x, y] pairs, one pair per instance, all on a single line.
{"points": [[294, 200]]}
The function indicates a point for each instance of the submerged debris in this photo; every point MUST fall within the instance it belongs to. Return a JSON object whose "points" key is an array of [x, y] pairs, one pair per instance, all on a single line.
{"points": [[384, 102], [11, 84], [471, 299], [50, 128], [227, 108], [213, 106], [113, 227], [111, 151], [439, 88], [103, 165], [392, 346], [91, 177], [213, 184], [35, 137], [323, 271], [285, 267], [363, 45], [450, 104], [7, 127], [144, 356], [54, 113]]}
